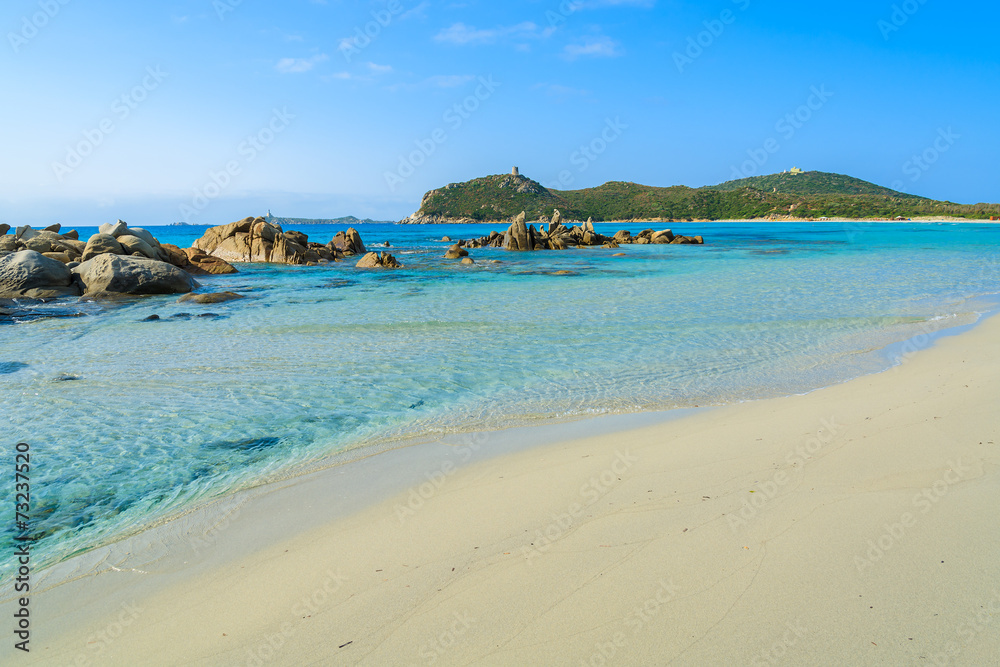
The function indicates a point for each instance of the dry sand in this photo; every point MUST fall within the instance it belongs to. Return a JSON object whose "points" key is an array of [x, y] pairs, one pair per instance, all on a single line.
{"points": [[853, 525]]}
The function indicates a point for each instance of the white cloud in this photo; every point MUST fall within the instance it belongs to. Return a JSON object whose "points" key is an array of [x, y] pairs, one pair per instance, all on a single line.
{"points": [[560, 90], [448, 81], [461, 34], [297, 65], [379, 69], [595, 47], [418, 12], [437, 81]]}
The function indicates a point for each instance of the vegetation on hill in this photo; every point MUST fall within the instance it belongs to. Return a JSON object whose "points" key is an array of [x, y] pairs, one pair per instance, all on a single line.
{"points": [[811, 183], [807, 195]]}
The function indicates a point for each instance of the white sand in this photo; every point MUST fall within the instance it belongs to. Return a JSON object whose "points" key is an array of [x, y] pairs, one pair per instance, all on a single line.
{"points": [[854, 525]]}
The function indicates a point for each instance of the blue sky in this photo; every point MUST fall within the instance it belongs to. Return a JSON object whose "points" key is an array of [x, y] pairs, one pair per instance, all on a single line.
{"points": [[211, 110]]}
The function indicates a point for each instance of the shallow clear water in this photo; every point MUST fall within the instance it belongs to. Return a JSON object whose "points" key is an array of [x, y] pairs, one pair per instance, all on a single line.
{"points": [[317, 360]]}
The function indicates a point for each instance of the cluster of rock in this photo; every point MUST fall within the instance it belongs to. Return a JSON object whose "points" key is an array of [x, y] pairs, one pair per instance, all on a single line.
{"points": [[116, 260], [129, 260], [555, 235], [257, 240], [378, 260], [664, 236]]}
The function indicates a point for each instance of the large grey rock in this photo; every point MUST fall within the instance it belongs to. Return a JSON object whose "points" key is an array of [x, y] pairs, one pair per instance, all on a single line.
{"points": [[72, 246], [114, 229], [133, 244], [297, 237], [662, 236], [54, 228], [143, 234], [257, 240], [100, 244], [556, 221], [348, 242], [4, 229], [25, 232], [8, 243], [132, 275], [43, 242], [519, 236], [30, 274]]}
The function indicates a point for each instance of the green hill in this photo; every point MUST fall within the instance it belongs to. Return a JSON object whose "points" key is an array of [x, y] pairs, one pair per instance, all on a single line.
{"points": [[805, 195], [811, 183]]}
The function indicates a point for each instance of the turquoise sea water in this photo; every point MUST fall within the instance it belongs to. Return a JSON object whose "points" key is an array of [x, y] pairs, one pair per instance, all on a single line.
{"points": [[131, 422]]}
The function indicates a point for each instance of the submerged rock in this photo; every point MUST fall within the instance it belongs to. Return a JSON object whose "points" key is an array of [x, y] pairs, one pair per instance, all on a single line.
{"points": [[213, 297]]}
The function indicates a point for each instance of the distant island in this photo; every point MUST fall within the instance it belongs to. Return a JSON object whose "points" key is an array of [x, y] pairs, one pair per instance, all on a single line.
{"points": [[346, 220], [795, 195], [285, 222]]}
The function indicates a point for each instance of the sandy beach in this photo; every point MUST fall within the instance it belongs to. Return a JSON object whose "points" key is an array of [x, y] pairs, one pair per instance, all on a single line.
{"points": [[851, 525]]}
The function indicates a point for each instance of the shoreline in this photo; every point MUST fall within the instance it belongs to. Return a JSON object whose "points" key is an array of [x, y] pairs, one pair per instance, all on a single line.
{"points": [[471, 480], [520, 434]]}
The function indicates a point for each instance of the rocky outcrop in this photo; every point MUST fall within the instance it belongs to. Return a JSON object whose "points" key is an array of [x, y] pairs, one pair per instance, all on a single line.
{"points": [[349, 242], [376, 260], [456, 252], [101, 244], [28, 273], [130, 274], [521, 236], [116, 260], [46, 242], [257, 240], [202, 264], [195, 261]]}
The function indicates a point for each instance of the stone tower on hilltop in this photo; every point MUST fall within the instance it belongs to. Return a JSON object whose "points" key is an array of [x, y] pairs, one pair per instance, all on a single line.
{"points": [[514, 171]]}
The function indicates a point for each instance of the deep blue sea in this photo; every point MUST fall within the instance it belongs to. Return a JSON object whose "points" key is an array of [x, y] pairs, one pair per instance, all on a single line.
{"points": [[131, 422]]}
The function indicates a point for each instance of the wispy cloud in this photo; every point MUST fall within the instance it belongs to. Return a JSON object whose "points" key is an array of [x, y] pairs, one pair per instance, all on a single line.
{"points": [[337, 76], [437, 81], [418, 12], [297, 65], [462, 34], [593, 47], [559, 90], [379, 69]]}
